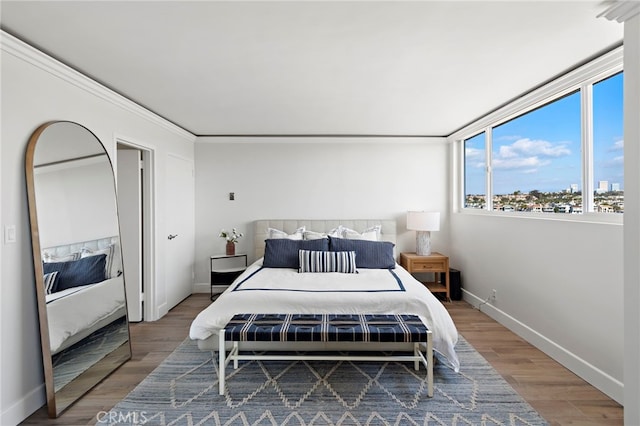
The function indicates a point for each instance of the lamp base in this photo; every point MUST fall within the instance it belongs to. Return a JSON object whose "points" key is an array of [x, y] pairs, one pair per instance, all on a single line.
{"points": [[423, 243]]}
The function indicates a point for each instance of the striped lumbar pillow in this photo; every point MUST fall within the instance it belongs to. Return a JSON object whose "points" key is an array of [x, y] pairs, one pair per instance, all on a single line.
{"points": [[327, 261]]}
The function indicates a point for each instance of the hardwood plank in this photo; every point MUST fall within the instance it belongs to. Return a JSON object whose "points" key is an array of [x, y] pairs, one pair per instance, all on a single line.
{"points": [[560, 396]]}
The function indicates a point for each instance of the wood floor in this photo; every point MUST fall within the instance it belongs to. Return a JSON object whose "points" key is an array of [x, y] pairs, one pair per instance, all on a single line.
{"points": [[558, 395]]}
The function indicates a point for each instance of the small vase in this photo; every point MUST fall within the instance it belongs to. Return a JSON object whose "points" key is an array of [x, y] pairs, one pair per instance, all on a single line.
{"points": [[231, 248]]}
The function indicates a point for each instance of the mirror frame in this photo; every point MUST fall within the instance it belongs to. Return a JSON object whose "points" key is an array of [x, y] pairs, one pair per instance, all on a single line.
{"points": [[57, 402]]}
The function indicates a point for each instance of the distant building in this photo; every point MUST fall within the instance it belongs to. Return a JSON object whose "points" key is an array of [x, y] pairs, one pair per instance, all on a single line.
{"points": [[603, 186], [615, 186], [574, 188]]}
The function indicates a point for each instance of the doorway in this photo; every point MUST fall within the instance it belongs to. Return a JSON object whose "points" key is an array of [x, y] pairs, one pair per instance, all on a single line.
{"points": [[135, 210]]}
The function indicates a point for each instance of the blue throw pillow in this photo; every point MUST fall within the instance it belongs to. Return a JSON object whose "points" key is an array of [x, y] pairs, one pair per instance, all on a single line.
{"points": [[369, 254], [283, 253], [88, 270]]}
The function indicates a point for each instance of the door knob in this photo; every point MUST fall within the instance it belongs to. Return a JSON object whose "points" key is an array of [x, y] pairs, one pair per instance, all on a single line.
{"points": [[172, 236]]}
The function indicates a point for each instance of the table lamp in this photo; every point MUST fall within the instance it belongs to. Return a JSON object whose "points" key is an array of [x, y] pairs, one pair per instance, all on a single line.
{"points": [[423, 223]]}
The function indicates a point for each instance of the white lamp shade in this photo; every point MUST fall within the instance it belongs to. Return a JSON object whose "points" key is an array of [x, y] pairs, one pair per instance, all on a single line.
{"points": [[423, 221]]}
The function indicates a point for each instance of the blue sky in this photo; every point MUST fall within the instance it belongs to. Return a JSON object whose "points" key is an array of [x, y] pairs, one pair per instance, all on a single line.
{"points": [[541, 149]]}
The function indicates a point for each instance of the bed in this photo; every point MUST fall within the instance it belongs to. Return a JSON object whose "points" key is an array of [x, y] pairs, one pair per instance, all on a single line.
{"points": [[84, 289], [271, 288]]}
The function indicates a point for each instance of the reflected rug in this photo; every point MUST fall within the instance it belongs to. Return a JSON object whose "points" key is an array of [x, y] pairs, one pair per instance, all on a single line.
{"points": [[183, 390], [75, 360]]}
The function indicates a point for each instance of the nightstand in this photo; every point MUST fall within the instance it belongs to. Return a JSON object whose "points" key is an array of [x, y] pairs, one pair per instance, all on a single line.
{"points": [[436, 263], [224, 269]]}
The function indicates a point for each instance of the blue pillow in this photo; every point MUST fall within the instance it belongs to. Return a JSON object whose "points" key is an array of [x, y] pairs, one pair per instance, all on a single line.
{"points": [[88, 270], [369, 254], [283, 253]]}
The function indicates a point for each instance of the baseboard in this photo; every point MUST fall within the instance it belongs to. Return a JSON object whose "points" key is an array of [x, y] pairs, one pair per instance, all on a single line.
{"points": [[201, 288], [162, 310], [24, 407], [593, 375]]}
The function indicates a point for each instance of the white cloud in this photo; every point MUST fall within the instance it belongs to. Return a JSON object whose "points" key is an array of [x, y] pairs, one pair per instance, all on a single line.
{"points": [[615, 162], [519, 162], [474, 157], [617, 145], [527, 146], [528, 155]]}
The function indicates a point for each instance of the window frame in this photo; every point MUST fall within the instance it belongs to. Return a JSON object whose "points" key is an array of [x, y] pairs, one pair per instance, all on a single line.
{"points": [[580, 79]]}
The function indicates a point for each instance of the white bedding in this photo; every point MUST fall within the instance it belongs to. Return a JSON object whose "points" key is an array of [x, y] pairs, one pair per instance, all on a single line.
{"points": [[281, 290], [76, 311]]}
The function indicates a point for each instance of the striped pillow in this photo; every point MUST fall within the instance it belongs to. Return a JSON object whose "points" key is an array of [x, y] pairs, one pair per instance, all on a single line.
{"points": [[50, 281], [327, 261]]}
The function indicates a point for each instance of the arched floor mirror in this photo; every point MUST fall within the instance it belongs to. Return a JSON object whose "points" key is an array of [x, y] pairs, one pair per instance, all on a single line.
{"points": [[77, 258]]}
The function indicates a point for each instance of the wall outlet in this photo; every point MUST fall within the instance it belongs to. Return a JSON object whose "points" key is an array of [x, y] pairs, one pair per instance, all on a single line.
{"points": [[493, 294]]}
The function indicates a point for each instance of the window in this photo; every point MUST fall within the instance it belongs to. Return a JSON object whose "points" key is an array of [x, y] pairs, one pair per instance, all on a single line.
{"points": [[557, 149], [475, 166], [608, 159], [536, 159]]}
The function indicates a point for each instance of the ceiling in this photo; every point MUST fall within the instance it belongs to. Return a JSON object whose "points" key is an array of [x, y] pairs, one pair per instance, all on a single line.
{"points": [[316, 67]]}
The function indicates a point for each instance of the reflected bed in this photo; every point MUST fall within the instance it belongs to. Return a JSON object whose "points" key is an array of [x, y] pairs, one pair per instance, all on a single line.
{"points": [[77, 311]]}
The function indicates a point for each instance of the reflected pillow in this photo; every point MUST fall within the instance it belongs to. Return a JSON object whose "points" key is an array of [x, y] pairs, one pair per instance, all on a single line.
{"points": [[369, 254], [76, 273], [112, 267], [273, 233], [50, 281], [49, 257], [283, 253], [327, 261]]}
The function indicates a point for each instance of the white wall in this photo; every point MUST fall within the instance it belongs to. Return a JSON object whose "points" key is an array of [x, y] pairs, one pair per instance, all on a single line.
{"points": [[632, 218], [315, 178], [559, 285], [64, 193], [35, 90]]}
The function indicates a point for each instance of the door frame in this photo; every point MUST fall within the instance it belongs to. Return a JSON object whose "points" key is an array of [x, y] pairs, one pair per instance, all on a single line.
{"points": [[150, 308]]}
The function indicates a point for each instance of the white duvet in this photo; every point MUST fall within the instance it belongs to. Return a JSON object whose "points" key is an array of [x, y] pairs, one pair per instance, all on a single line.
{"points": [[375, 291], [79, 309]]}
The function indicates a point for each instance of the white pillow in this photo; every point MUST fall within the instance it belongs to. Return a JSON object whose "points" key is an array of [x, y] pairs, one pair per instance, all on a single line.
{"points": [[50, 258], [369, 234], [312, 235], [273, 233]]}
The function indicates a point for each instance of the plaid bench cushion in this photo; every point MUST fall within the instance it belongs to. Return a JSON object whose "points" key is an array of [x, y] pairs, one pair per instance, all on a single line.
{"points": [[325, 328]]}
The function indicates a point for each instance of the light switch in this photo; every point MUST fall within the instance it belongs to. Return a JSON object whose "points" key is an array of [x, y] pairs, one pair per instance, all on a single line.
{"points": [[9, 234], [232, 196]]}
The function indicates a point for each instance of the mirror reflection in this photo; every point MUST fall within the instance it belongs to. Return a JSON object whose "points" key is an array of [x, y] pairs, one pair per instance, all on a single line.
{"points": [[77, 260]]}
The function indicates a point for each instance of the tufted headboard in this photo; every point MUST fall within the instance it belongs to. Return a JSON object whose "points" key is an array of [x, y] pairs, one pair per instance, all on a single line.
{"points": [[387, 231]]}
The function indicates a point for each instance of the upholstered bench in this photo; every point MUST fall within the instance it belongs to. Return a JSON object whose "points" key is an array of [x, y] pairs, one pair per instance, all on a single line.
{"points": [[354, 328]]}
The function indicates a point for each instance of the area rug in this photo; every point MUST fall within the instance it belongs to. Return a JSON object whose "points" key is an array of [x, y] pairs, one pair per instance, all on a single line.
{"points": [[183, 390]]}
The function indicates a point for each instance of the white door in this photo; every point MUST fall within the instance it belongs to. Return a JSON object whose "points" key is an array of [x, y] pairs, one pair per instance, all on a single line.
{"points": [[180, 238], [130, 213]]}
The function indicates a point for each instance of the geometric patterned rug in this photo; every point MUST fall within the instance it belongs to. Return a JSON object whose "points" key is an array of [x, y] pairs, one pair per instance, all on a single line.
{"points": [[183, 390]]}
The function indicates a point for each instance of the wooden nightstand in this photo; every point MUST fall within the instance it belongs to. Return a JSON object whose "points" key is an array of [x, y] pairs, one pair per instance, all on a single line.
{"points": [[436, 263], [226, 268]]}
